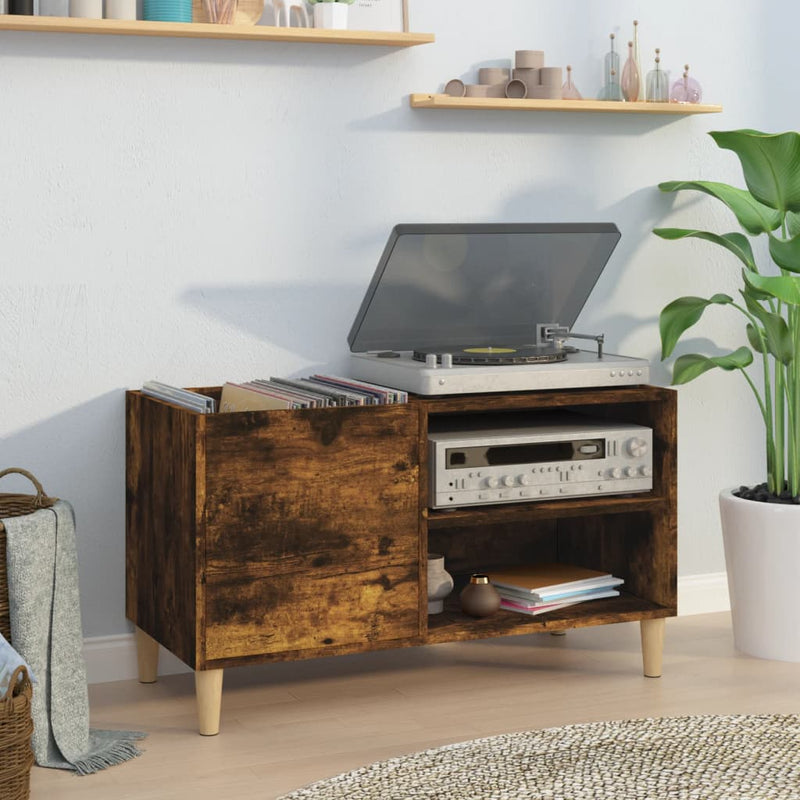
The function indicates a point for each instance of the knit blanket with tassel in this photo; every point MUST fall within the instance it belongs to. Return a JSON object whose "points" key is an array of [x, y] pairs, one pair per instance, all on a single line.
{"points": [[44, 602]]}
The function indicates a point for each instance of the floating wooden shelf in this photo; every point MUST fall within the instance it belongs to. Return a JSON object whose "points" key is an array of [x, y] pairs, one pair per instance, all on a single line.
{"points": [[204, 30], [598, 106]]}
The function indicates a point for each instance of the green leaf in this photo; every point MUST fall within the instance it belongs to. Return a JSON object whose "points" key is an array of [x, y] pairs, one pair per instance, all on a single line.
{"points": [[782, 287], [774, 330], [785, 252], [753, 216], [737, 243], [677, 317], [693, 365], [770, 163], [752, 337], [793, 223]]}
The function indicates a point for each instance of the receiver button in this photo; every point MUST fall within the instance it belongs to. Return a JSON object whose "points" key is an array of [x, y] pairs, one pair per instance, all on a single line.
{"points": [[508, 480], [637, 447], [647, 472], [615, 473], [492, 483], [524, 480], [631, 472]]}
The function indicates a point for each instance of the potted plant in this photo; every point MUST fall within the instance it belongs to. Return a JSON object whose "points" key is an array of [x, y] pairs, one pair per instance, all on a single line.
{"points": [[330, 13], [761, 524]]}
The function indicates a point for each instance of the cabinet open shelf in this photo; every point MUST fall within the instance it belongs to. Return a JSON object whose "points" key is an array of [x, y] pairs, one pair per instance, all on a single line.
{"points": [[453, 625], [204, 30], [442, 101], [556, 509]]}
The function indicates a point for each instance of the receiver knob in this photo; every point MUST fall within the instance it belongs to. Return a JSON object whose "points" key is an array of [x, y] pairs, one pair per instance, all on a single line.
{"points": [[524, 480], [492, 483], [508, 480], [647, 472], [637, 447], [616, 472], [631, 472]]}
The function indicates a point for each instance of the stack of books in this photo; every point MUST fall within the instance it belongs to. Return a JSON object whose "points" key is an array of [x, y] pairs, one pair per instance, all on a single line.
{"points": [[538, 588], [316, 391]]}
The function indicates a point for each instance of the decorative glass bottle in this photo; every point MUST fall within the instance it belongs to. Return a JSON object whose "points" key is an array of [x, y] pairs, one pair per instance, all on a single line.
{"points": [[657, 82], [569, 91], [611, 89], [630, 77], [686, 89], [637, 59]]}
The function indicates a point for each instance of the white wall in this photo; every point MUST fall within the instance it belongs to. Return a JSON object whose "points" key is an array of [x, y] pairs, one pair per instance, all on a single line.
{"points": [[196, 211]]}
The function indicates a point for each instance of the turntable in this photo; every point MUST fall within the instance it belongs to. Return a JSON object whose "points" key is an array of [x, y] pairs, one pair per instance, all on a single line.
{"points": [[459, 309]]}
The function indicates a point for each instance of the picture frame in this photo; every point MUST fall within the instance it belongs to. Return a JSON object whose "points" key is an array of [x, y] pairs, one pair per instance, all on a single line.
{"points": [[378, 15]]}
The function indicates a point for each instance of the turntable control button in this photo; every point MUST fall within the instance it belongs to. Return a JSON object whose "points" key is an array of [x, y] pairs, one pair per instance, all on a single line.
{"points": [[613, 373], [447, 360], [637, 447], [639, 372], [647, 472], [616, 472], [508, 480], [492, 483], [430, 360], [630, 373], [524, 480]]}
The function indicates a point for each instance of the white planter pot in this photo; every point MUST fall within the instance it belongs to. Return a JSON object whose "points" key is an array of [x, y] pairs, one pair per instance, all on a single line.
{"points": [[762, 556], [330, 15]]}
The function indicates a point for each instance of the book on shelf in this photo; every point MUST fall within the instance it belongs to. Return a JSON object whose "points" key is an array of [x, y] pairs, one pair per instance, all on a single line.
{"points": [[530, 601], [542, 608], [551, 580], [185, 398]]}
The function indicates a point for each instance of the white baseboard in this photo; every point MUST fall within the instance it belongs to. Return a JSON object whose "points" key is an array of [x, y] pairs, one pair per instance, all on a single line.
{"points": [[703, 594], [113, 658]]}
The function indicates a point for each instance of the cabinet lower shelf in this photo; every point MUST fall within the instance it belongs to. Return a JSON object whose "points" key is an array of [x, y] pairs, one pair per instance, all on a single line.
{"points": [[204, 30], [443, 101], [452, 625]]}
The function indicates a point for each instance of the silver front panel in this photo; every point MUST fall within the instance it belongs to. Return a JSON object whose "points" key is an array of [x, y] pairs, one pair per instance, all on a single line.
{"points": [[483, 467]]}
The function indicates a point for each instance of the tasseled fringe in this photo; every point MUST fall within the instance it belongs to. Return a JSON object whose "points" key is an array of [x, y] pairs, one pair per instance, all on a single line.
{"points": [[117, 752]]}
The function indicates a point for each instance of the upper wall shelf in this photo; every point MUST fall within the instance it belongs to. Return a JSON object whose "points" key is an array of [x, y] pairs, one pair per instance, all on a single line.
{"points": [[204, 30], [600, 106]]}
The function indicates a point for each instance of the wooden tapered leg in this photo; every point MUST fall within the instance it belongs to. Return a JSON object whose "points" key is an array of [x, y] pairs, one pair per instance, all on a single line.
{"points": [[208, 688], [147, 657], [652, 646]]}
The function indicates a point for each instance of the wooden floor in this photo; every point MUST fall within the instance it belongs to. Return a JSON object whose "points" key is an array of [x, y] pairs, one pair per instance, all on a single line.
{"points": [[285, 725]]}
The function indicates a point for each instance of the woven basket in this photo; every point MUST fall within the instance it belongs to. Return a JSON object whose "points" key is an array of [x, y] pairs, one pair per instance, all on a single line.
{"points": [[15, 505], [16, 727]]}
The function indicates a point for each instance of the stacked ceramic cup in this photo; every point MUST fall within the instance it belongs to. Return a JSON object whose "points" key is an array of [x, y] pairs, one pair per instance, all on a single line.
{"points": [[168, 10], [540, 82]]}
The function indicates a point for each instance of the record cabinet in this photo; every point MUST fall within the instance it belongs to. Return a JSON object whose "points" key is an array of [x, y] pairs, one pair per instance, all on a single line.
{"points": [[279, 535]]}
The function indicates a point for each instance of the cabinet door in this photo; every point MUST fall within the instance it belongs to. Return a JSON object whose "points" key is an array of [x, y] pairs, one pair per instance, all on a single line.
{"points": [[311, 530]]}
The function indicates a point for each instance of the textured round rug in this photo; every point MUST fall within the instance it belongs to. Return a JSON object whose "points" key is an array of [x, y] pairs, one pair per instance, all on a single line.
{"points": [[691, 758]]}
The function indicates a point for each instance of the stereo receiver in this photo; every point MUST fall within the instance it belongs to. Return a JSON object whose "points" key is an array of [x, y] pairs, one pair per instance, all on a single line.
{"points": [[566, 455]]}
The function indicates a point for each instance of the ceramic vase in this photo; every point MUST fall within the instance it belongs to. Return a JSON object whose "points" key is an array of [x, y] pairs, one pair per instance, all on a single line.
{"points": [[479, 598], [330, 15], [440, 583], [762, 553]]}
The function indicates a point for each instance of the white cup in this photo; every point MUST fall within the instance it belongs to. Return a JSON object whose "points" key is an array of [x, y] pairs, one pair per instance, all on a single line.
{"points": [[120, 9], [89, 9]]}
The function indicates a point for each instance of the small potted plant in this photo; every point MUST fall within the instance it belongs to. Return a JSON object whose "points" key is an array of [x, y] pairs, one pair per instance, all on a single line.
{"points": [[330, 13], [761, 524]]}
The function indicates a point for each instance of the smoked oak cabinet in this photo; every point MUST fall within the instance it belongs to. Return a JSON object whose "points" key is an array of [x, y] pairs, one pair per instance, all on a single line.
{"points": [[278, 535]]}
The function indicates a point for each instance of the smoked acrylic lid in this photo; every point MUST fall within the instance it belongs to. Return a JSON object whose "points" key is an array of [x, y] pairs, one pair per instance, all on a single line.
{"points": [[455, 285]]}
